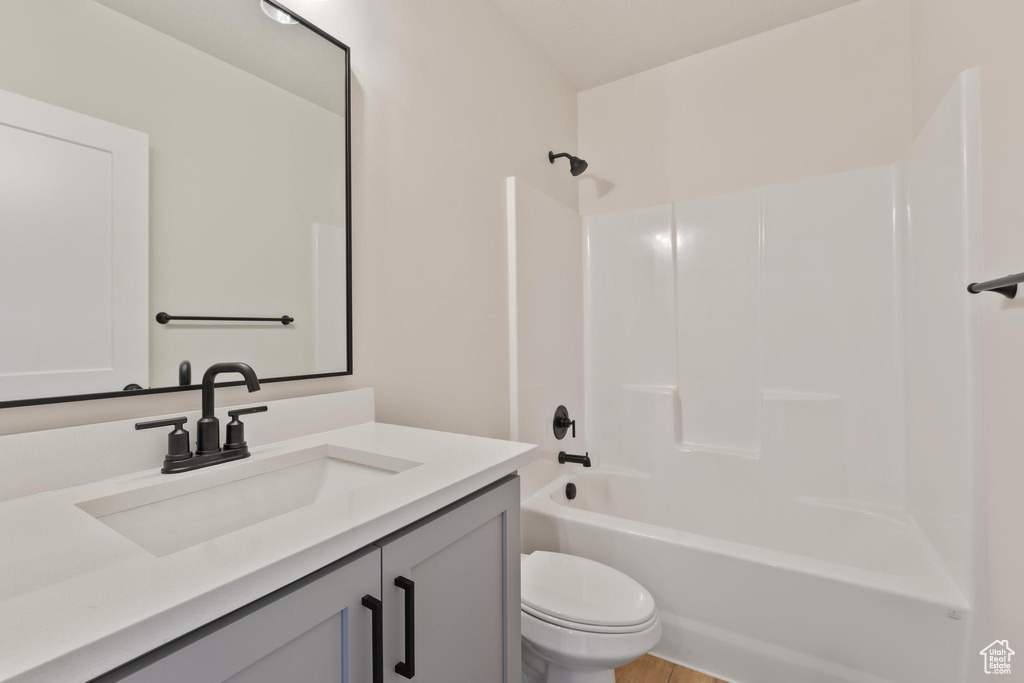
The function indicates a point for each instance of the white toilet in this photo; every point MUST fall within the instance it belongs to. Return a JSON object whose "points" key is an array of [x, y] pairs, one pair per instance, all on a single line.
{"points": [[582, 619]]}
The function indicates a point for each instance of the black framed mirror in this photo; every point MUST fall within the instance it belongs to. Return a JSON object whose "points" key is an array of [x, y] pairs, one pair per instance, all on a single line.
{"points": [[175, 190]]}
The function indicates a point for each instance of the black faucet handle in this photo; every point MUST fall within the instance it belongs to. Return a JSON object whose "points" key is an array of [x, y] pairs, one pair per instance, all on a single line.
{"points": [[247, 411], [178, 446], [169, 422], [562, 423], [234, 439]]}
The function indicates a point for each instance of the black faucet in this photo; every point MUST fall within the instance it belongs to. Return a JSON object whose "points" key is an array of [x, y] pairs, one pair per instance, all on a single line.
{"points": [[564, 458], [179, 457], [208, 436]]}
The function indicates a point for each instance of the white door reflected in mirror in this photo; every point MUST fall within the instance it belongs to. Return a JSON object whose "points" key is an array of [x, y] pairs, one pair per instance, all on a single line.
{"points": [[74, 212]]}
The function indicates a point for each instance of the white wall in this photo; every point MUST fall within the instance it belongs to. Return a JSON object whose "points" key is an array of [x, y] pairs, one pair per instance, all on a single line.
{"points": [[942, 334], [825, 94], [448, 101], [947, 37], [630, 327], [545, 325], [767, 322]]}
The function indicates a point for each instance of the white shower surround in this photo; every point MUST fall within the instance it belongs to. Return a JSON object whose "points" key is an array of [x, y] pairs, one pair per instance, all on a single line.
{"points": [[783, 406]]}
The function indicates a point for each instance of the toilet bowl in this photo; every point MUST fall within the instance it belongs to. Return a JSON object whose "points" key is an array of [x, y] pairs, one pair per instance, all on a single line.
{"points": [[582, 619]]}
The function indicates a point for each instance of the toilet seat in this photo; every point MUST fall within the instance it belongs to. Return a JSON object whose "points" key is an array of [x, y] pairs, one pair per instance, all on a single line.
{"points": [[583, 595], [588, 628]]}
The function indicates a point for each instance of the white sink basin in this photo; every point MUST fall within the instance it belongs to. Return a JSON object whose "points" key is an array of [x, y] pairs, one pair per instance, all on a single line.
{"points": [[183, 512]]}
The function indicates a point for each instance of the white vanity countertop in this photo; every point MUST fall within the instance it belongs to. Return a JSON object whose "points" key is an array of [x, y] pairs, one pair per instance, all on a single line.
{"points": [[77, 599]]}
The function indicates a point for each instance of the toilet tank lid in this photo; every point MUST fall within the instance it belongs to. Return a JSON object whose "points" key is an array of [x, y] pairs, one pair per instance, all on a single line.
{"points": [[582, 591]]}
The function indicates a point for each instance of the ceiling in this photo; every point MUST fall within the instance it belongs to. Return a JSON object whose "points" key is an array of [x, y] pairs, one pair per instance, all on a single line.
{"points": [[239, 33], [593, 42]]}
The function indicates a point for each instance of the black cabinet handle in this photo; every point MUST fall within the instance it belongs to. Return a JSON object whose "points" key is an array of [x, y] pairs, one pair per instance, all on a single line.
{"points": [[377, 625], [408, 667]]}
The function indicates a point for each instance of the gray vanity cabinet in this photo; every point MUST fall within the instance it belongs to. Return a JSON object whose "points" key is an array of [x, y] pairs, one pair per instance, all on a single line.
{"points": [[461, 571], [314, 631]]}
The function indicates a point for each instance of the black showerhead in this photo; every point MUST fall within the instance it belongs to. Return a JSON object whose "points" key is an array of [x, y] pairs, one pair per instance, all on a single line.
{"points": [[576, 165]]}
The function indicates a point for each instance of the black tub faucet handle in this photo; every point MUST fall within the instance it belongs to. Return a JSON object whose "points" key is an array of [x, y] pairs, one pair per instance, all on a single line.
{"points": [[562, 423]]}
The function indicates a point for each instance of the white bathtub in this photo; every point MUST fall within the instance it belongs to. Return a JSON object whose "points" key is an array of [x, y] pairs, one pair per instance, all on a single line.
{"points": [[780, 590]]}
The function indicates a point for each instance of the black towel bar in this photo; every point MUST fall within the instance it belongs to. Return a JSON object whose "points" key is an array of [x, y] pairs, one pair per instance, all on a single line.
{"points": [[164, 318], [1007, 286]]}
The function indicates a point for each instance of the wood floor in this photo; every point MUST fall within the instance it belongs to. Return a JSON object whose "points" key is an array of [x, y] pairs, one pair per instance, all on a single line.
{"points": [[650, 669]]}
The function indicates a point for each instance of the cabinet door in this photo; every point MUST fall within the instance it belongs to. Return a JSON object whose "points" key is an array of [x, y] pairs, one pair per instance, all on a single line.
{"points": [[452, 583], [315, 631]]}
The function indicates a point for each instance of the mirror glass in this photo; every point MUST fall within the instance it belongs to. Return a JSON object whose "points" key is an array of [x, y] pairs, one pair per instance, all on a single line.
{"points": [[162, 160]]}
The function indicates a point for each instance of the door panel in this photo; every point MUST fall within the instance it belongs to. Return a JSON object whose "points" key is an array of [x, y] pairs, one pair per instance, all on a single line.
{"points": [[315, 631], [74, 252], [464, 565], [303, 657]]}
